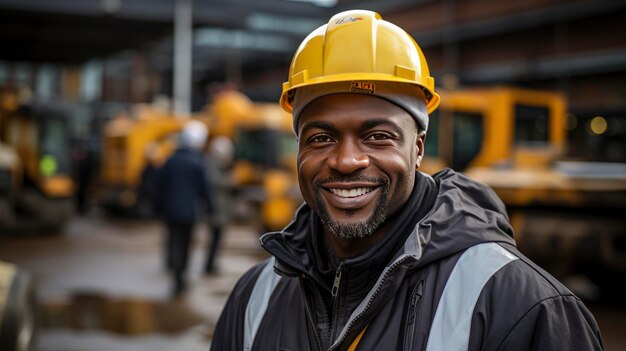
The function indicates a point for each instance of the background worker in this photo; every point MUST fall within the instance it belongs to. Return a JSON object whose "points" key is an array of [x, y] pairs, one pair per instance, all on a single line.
{"points": [[219, 161], [149, 176], [182, 181], [381, 256]]}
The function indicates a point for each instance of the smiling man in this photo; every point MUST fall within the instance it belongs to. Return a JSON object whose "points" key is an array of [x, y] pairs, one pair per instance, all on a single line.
{"points": [[357, 161], [382, 256]]}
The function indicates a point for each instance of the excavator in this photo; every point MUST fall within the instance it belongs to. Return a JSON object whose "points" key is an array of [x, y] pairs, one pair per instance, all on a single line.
{"points": [[568, 215], [264, 175], [35, 197], [36, 186]]}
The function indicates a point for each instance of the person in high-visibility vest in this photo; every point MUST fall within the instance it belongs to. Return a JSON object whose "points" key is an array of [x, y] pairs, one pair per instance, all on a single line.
{"points": [[382, 256]]}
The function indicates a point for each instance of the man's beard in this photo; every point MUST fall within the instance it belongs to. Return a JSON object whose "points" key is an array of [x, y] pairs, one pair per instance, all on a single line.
{"points": [[357, 230]]}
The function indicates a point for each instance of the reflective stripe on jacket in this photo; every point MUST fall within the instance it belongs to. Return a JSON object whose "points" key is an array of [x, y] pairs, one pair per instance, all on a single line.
{"points": [[451, 325]]}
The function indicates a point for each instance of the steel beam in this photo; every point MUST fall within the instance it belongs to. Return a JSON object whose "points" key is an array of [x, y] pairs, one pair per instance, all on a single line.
{"points": [[182, 56]]}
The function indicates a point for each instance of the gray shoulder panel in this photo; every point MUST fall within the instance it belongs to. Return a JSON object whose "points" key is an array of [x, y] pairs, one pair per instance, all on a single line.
{"points": [[450, 329], [257, 304]]}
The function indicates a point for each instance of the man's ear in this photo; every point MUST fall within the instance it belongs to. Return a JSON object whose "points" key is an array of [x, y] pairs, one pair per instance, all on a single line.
{"points": [[419, 148]]}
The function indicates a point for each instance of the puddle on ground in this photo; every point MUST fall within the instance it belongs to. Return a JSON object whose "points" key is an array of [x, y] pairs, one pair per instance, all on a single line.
{"points": [[127, 316]]}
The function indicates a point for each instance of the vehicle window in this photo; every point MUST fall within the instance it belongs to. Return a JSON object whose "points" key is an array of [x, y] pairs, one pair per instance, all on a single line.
{"points": [[467, 139], [246, 146], [289, 145], [531, 125], [262, 147], [55, 146]]}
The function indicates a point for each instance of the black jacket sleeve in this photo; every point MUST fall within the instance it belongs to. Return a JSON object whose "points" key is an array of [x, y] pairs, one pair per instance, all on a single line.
{"points": [[558, 323], [228, 333], [159, 198], [523, 307]]}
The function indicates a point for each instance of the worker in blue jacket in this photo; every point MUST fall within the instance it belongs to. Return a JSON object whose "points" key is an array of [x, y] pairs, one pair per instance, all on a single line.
{"points": [[183, 182]]}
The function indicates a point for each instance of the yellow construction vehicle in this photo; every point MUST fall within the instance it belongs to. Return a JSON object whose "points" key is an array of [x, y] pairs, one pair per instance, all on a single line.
{"points": [[264, 170], [36, 188], [134, 142], [264, 173], [129, 145], [567, 214]]}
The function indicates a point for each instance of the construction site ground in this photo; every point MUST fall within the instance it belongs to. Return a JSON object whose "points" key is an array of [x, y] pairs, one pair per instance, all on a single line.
{"points": [[102, 285]]}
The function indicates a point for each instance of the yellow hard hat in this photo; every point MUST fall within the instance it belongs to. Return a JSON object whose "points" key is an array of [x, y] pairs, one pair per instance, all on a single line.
{"points": [[358, 45]]}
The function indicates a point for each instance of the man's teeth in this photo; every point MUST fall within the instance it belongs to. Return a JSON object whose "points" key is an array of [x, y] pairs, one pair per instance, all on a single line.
{"points": [[350, 192]]}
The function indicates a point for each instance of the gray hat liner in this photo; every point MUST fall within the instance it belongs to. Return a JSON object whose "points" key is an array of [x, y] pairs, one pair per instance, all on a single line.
{"points": [[407, 96]]}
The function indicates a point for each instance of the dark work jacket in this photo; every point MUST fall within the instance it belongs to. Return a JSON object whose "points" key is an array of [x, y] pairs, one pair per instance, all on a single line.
{"points": [[181, 182], [520, 307]]}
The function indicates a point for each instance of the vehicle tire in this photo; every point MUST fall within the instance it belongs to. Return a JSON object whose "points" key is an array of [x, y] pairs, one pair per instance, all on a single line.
{"points": [[17, 309]]}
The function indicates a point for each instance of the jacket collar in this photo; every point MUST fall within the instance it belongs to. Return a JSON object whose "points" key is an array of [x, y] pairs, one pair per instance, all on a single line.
{"points": [[461, 213]]}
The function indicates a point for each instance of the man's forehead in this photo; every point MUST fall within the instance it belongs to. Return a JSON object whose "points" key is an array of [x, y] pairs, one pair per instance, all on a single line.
{"points": [[328, 112], [343, 101]]}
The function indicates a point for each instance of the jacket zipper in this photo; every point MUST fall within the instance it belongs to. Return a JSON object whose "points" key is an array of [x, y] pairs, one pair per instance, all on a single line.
{"points": [[335, 293], [411, 322], [309, 314], [369, 303], [338, 272]]}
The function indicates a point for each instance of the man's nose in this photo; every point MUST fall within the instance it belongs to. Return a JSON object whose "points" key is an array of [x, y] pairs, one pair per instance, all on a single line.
{"points": [[348, 157]]}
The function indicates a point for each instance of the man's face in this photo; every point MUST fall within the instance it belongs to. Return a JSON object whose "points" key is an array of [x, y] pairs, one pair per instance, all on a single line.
{"points": [[356, 161]]}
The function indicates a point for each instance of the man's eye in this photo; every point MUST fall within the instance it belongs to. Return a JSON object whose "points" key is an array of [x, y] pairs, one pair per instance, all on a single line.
{"points": [[321, 139], [378, 136]]}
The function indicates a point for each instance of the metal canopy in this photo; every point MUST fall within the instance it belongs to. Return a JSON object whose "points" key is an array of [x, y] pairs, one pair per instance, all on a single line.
{"points": [[254, 35], [74, 31], [230, 36], [45, 37]]}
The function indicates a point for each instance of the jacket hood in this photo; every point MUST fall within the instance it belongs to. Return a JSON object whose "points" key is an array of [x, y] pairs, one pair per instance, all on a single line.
{"points": [[444, 215], [464, 213]]}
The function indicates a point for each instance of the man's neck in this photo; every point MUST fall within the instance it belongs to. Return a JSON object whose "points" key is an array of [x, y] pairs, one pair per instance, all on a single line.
{"points": [[348, 248]]}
